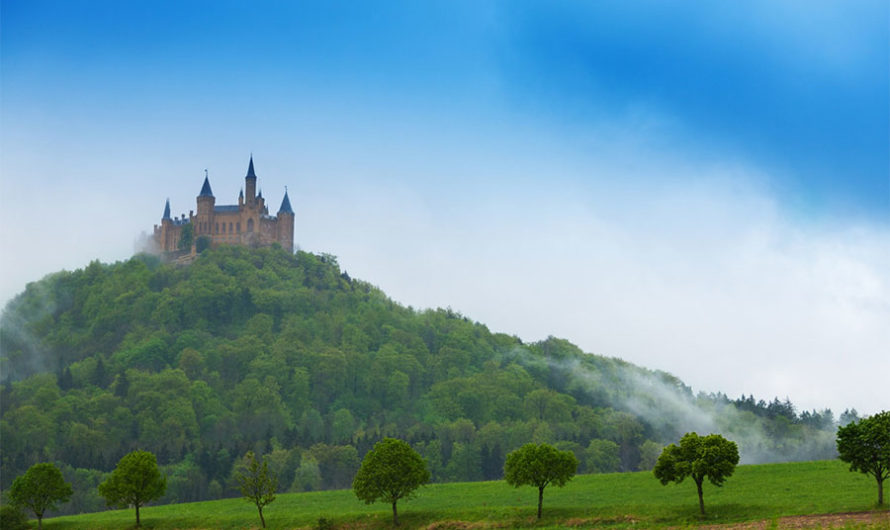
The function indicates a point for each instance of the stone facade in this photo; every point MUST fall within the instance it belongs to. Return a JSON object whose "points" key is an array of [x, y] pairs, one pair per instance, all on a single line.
{"points": [[246, 223]]}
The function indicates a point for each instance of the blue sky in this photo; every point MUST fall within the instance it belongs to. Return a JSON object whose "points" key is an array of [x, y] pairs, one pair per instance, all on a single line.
{"points": [[663, 182]]}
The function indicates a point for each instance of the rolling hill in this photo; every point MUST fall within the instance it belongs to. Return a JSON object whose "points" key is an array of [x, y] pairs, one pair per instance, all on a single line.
{"points": [[287, 355]]}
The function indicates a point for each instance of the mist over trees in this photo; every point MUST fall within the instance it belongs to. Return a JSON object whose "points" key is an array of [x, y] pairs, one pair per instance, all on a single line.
{"points": [[289, 357]]}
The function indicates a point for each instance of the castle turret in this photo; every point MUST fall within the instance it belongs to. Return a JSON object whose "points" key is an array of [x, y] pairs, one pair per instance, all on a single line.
{"points": [[163, 234], [206, 202], [286, 224], [250, 184]]}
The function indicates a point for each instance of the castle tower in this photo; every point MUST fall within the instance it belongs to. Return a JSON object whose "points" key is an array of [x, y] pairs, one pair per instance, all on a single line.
{"points": [[286, 224], [206, 202], [250, 184], [164, 233]]}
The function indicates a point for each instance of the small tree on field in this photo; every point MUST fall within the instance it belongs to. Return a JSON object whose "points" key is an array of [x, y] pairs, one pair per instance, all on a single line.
{"points": [[392, 470], [39, 489], [540, 466], [257, 483], [135, 481], [865, 445], [711, 456]]}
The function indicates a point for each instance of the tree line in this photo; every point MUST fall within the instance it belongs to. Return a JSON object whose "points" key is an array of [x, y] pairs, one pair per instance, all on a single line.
{"points": [[286, 355], [392, 471]]}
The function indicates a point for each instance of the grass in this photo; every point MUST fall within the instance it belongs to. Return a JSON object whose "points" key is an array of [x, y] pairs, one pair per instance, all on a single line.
{"points": [[622, 500]]}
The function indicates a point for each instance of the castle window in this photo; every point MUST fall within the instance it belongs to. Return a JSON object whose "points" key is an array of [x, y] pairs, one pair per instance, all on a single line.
{"points": [[224, 228], [238, 227], [250, 225], [217, 228], [230, 228]]}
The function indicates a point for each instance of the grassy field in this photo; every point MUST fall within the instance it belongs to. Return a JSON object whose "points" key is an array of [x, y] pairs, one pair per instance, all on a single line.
{"points": [[638, 500]]}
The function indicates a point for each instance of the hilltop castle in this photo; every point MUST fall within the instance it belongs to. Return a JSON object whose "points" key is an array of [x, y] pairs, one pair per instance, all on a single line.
{"points": [[246, 223]]}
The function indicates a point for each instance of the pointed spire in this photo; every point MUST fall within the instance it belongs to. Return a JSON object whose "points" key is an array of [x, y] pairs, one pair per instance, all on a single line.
{"points": [[259, 195], [241, 194], [205, 189], [250, 172], [285, 205], [166, 210]]}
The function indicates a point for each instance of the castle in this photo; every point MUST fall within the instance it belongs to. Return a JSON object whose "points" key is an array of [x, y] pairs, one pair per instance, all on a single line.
{"points": [[246, 223]]}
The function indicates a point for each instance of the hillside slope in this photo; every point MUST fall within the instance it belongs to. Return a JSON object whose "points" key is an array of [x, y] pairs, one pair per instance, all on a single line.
{"points": [[286, 355]]}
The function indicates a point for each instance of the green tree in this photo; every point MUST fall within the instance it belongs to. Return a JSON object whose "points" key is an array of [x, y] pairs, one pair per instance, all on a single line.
{"points": [[392, 470], [336, 463], [540, 466], [649, 452], [202, 243], [39, 489], [186, 237], [865, 445], [135, 481], [711, 456], [257, 483], [13, 518], [602, 456]]}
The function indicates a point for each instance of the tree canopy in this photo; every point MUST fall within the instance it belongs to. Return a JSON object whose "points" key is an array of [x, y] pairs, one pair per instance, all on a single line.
{"points": [[134, 482], [41, 488], [865, 445], [391, 471], [539, 465], [712, 457]]}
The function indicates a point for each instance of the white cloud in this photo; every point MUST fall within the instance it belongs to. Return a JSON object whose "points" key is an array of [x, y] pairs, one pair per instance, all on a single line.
{"points": [[703, 279]]}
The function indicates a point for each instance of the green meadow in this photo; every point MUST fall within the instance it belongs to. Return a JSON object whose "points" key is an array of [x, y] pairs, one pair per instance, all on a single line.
{"points": [[620, 500]]}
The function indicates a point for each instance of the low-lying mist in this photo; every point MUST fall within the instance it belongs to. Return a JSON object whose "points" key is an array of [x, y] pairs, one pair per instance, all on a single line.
{"points": [[769, 432]]}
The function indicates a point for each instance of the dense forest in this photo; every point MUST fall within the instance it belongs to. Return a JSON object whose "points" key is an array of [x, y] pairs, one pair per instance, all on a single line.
{"points": [[287, 356]]}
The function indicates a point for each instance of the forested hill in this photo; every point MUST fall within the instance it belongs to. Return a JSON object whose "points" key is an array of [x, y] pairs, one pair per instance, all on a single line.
{"points": [[258, 349]]}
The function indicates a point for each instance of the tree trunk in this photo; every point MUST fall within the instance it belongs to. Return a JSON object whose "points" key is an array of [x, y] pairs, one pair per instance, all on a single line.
{"points": [[540, 499], [262, 519], [701, 500], [137, 514], [395, 514], [880, 491], [40, 522]]}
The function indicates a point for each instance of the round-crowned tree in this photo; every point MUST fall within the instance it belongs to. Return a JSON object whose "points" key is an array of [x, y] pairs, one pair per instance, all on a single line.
{"points": [[39, 489], [539, 466], [865, 445], [711, 456], [135, 481], [392, 470]]}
